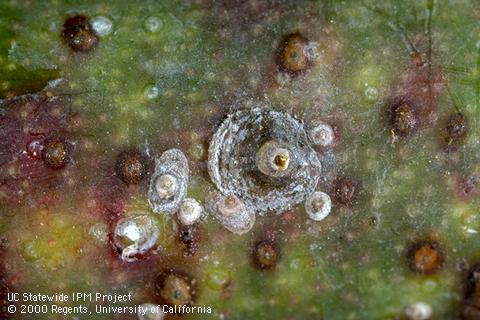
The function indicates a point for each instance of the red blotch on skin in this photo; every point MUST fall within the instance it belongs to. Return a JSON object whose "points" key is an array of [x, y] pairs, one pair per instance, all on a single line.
{"points": [[27, 122], [421, 84], [248, 13], [107, 197]]}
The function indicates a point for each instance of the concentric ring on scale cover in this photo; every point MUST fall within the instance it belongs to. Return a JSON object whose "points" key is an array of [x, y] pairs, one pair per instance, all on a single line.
{"points": [[238, 151]]}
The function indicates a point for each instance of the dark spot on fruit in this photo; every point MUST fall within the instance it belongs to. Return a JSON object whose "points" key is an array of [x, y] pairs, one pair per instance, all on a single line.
{"points": [[175, 288], [56, 154], [189, 237], [78, 34], [292, 54], [425, 257], [471, 306], [345, 190], [266, 255], [131, 167], [456, 130], [456, 126], [403, 118], [32, 122]]}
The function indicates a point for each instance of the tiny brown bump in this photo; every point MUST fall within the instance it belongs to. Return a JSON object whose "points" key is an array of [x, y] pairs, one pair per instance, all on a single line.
{"points": [[345, 190], [456, 130], [403, 118], [79, 34], [456, 126], [425, 257], [266, 255], [291, 56], [131, 167], [175, 288], [55, 154]]}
